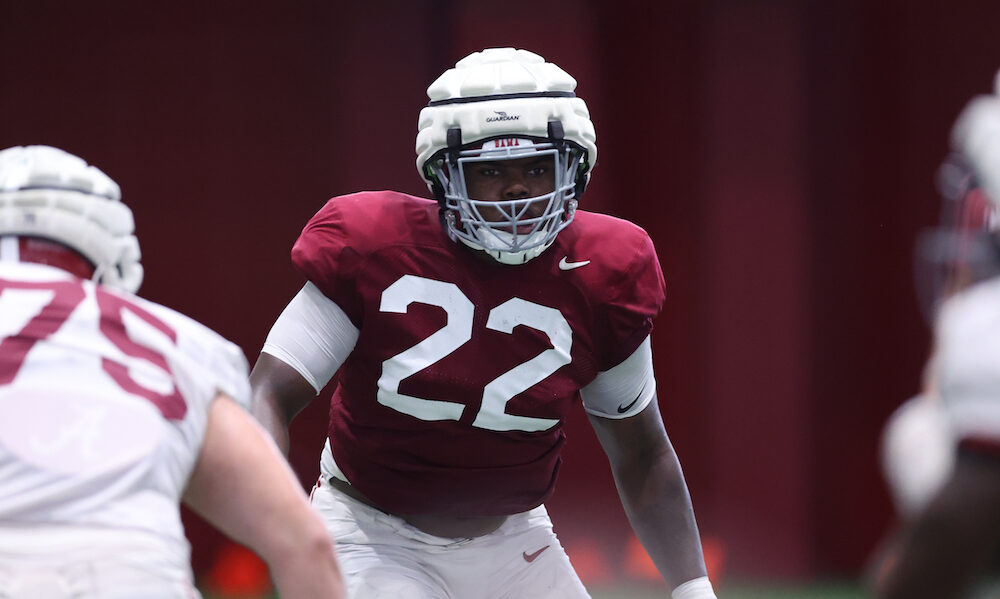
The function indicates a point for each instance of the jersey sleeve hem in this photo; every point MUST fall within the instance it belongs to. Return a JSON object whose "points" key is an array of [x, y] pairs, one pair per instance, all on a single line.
{"points": [[292, 362]]}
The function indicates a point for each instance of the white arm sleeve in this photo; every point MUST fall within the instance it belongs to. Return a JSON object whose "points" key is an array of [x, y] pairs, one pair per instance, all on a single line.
{"points": [[312, 335], [611, 394]]}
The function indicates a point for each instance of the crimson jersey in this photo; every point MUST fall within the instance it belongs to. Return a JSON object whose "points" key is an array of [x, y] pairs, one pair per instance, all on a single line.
{"points": [[465, 370]]}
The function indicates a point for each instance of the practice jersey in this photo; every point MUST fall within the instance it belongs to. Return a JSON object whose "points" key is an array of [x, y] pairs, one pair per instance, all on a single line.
{"points": [[104, 399], [968, 365], [464, 371]]}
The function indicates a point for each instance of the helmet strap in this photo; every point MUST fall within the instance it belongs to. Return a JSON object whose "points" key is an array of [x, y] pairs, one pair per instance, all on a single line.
{"points": [[38, 250], [556, 131], [454, 147]]}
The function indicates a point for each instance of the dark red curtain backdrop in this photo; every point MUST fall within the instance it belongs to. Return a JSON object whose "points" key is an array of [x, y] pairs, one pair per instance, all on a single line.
{"points": [[781, 154]]}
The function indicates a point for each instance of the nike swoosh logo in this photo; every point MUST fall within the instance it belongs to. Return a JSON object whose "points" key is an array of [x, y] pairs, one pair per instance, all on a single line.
{"points": [[530, 557], [623, 409], [566, 265]]}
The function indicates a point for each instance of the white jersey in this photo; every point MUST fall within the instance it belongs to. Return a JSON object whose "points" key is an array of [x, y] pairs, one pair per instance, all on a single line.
{"points": [[968, 363], [104, 399]]}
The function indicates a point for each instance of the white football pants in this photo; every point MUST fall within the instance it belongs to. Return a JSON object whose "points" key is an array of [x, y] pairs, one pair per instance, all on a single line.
{"points": [[383, 557], [96, 563]]}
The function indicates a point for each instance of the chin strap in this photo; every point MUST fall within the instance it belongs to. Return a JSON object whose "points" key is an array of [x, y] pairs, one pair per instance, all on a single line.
{"points": [[14, 248], [507, 257]]}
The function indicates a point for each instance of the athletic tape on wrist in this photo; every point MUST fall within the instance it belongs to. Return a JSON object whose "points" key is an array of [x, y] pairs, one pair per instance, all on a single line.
{"points": [[698, 588]]}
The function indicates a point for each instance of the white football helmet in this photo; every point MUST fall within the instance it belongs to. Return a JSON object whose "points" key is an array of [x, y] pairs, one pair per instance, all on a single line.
{"points": [[976, 135], [49, 193], [502, 104], [965, 248]]}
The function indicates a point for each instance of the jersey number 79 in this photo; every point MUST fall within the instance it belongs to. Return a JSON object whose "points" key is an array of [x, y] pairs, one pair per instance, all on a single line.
{"points": [[58, 300]]}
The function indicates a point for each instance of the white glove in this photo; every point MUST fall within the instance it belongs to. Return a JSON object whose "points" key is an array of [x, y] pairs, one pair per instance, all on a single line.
{"points": [[918, 453], [698, 588]]}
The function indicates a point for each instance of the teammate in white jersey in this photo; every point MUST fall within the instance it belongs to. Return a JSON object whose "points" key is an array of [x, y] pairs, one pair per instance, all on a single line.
{"points": [[953, 530], [114, 409]]}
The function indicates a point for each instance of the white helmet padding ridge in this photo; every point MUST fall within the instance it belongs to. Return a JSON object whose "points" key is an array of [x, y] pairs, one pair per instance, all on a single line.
{"points": [[505, 94], [49, 193]]}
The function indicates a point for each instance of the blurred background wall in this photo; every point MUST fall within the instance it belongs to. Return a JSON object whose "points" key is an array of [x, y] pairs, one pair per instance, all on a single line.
{"points": [[780, 153]]}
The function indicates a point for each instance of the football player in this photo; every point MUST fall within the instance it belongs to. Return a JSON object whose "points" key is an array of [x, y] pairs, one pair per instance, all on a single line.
{"points": [[114, 409], [949, 541], [464, 329]]}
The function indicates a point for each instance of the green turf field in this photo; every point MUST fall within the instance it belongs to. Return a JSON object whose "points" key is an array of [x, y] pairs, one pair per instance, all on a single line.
{"points": [[827, 591]]}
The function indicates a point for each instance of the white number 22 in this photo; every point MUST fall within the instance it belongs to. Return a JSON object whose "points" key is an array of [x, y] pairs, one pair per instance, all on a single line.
{"points": [[458, 330]]}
